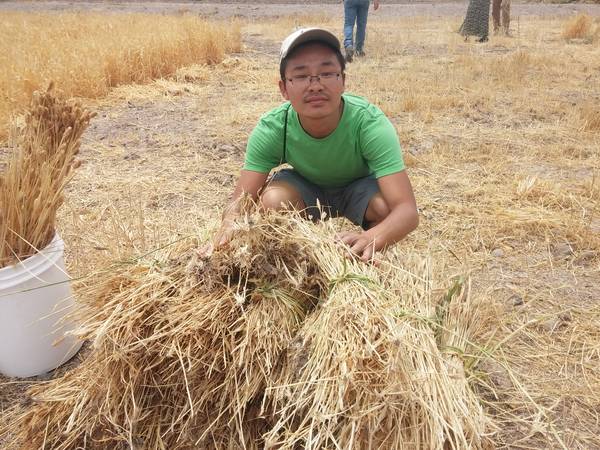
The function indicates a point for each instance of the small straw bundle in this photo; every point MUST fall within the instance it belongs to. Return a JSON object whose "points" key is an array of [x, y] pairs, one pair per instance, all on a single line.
{"points": [[36, 174], [276, 342]]}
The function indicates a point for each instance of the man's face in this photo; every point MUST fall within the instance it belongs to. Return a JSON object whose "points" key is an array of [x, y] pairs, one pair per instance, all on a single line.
{"points": [[310, 97]]}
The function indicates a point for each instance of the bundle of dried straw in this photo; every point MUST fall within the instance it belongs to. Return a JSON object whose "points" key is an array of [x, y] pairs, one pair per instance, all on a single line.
{"points": [[278, 341], [31, 187]]}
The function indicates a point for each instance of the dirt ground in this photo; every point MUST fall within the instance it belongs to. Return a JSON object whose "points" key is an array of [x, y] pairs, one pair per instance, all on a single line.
{"points": [[161, 150], [276, 8]]}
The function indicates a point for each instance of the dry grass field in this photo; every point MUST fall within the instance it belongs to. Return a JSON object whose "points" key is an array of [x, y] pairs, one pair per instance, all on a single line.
{"points": [[502, 142], [86, 55]]}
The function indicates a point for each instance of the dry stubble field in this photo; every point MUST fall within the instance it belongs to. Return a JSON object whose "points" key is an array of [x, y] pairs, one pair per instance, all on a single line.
{"points": [[502, 142]]}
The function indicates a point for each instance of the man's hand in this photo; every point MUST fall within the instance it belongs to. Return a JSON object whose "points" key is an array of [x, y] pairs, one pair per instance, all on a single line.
{"points": [[221, 239], [375, 5], [249, 183], [401, 219], [360, 244], [224, 234]]}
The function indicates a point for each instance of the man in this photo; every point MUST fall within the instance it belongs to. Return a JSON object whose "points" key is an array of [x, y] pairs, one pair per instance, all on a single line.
{"points": [[356, 12], [344, 152], [501, 6]]}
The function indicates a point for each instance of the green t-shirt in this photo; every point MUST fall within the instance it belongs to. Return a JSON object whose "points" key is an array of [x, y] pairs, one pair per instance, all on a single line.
{"points": [[364, 143]]}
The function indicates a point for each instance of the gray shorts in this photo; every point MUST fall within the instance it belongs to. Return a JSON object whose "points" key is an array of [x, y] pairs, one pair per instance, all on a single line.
{"points": [[350, 201]]}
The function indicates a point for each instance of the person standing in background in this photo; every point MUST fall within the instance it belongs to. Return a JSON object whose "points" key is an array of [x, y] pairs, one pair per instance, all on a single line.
{"points": [[356, 12], [501, 7], [477, 20]]}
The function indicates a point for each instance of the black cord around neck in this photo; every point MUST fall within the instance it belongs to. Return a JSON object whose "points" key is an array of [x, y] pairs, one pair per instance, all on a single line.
{"points": [[285, 123]]}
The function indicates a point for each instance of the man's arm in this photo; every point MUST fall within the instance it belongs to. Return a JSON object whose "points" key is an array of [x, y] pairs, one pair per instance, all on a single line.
{"points": [[249, 183], [403, 218]]}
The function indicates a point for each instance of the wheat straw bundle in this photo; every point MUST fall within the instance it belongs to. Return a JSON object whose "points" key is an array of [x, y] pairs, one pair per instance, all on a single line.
{"points": [[31, 187], [368, 372], [277, 341]]}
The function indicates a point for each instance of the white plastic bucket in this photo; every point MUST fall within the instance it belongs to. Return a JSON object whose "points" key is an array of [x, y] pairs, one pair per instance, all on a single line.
{"points": [[35, 295]]}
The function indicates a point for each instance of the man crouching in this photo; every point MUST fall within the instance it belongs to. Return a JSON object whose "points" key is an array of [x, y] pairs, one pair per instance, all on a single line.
{"points": [[344, 152]]}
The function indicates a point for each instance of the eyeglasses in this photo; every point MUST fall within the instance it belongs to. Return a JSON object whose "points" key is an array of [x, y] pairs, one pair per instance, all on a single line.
{"points": [[304, 81]]}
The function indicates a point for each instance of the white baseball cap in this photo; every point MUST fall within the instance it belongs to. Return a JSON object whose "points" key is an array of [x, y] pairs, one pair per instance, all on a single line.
{"points": [[305, 35]]}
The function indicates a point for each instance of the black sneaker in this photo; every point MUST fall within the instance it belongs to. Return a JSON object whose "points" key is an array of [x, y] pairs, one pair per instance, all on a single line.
{"points": [[360, 53], [349, 53]]}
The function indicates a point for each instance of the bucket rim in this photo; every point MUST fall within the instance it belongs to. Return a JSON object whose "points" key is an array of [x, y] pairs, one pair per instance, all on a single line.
{"points": [[33, 265]]}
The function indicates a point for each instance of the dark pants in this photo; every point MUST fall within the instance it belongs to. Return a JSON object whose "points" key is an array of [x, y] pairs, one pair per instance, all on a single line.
{"points": [[349, 201]]}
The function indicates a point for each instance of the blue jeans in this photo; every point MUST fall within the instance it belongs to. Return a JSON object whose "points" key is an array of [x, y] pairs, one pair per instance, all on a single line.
{"points": [[355, 11]]}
